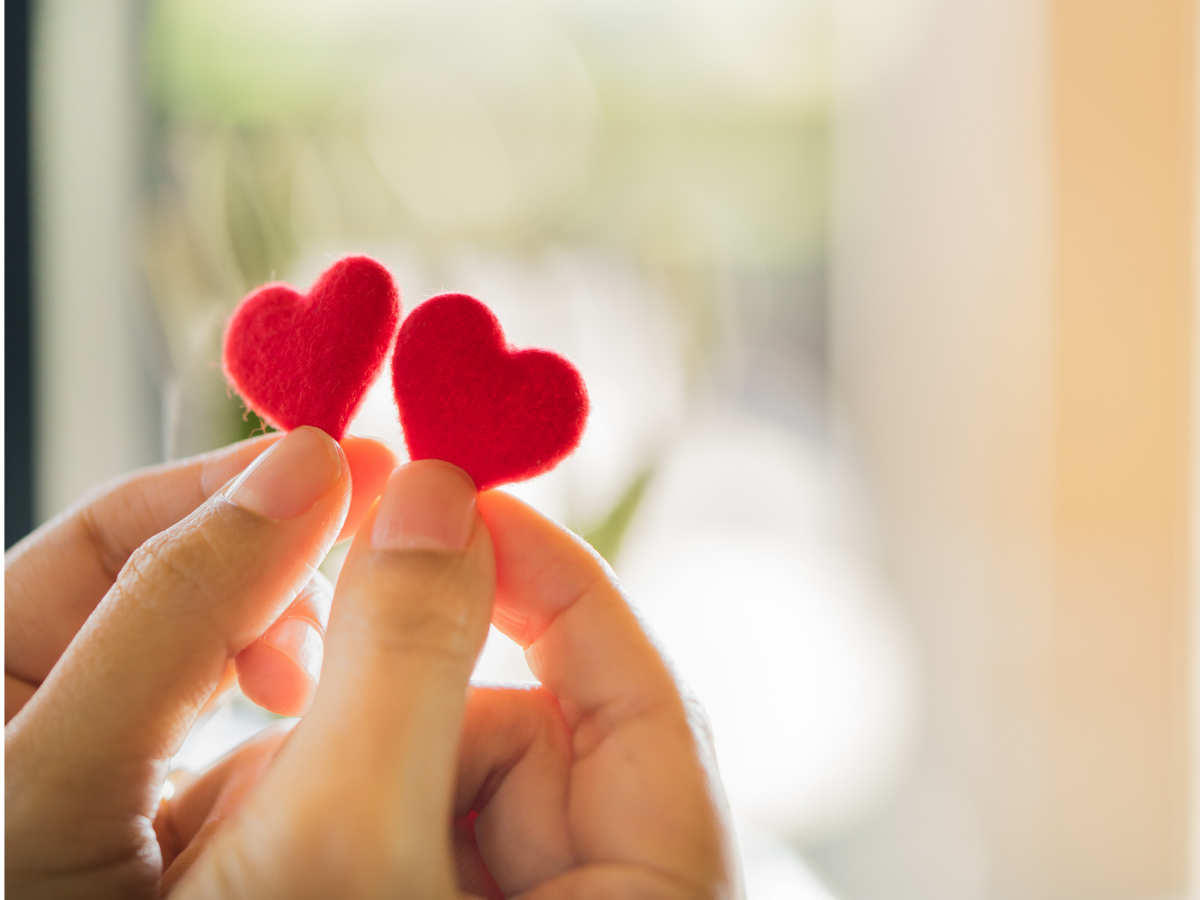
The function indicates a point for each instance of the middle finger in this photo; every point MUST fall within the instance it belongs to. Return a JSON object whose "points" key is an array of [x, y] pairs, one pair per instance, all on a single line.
{"points": [[514, 771]]}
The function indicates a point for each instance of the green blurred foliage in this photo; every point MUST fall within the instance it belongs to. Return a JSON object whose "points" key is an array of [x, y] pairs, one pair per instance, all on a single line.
{"points": [[252, 425], [607, 535]]}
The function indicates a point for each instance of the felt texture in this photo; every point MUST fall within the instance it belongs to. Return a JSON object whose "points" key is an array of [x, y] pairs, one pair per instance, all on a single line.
{"points": [[467, 397], [308, 359]]}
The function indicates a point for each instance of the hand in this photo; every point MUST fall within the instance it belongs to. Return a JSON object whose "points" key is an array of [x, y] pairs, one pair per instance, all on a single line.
{"points": [[106, 673], [620, 779], [596, 785]]}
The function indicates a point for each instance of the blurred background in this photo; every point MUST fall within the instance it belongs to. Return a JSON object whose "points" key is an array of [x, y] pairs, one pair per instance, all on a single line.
{"points": [[886, 311]]}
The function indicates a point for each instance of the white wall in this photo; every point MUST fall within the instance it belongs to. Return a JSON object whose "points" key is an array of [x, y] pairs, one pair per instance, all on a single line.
{"points": [[942, 341], [98, 413]]}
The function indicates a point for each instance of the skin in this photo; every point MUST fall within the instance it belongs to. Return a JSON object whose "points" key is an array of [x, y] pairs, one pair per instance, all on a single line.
{"points": [[127, 616]]}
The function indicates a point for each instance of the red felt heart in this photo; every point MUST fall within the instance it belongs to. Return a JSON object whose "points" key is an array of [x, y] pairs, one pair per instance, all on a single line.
{"points": [[308, 359], [467, 397]]}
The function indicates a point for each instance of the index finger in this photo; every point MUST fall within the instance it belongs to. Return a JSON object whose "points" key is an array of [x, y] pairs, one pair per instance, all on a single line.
{"points": [[559, 600], [644, 789]]}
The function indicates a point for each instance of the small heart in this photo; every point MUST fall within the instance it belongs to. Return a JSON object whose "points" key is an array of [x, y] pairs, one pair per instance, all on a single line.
{"points": [[308, 359], [465, 396]]}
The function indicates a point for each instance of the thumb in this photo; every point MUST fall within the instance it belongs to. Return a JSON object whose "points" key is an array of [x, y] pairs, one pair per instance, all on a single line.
{"points": [[122, 697], [359, 801]]}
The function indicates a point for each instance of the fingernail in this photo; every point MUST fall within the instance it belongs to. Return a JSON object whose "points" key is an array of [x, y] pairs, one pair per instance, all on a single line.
{"points": [[290, 477], [427, 505], [300, 641]]}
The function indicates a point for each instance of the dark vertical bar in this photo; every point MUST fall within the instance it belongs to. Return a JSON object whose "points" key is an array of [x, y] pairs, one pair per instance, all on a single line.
{"points": [[18, 279]]}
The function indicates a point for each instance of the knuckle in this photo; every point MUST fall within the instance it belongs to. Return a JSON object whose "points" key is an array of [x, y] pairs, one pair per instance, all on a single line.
{"points": [[551, 724], [110, 557], [422, 603], [195, 557], [545, 706]]}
